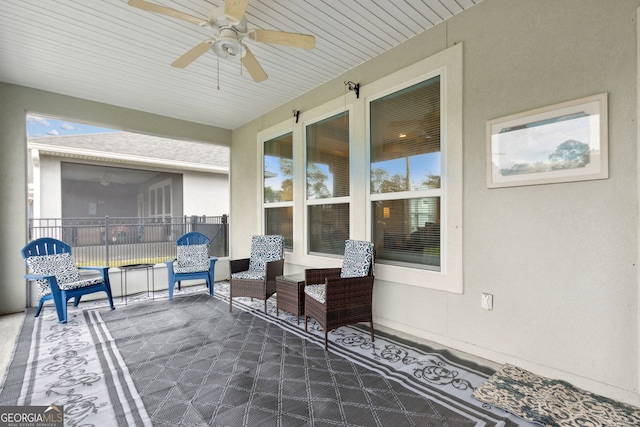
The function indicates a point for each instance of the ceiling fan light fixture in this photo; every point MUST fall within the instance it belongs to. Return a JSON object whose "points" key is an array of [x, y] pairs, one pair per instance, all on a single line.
{"points": [[225, 48], [227, 44]]}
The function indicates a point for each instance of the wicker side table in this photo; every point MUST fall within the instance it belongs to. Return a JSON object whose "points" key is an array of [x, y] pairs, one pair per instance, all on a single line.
{"points": [[290, 294]]}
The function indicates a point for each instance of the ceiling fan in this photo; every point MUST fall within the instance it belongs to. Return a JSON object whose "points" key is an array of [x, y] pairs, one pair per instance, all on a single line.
{"points": [[229, 27], [106, 180]]}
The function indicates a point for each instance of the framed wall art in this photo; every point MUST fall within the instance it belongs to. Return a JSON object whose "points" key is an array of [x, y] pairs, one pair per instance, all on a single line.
{"points": [[559, 143]]}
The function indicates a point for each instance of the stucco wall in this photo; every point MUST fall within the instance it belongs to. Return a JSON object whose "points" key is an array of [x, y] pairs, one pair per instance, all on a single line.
{"points": [[205, 194], [559, 259], [49, 188]]}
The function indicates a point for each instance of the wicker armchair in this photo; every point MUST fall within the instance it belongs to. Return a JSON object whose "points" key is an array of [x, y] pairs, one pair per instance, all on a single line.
{"points": [[337, 297], [255, 277]]}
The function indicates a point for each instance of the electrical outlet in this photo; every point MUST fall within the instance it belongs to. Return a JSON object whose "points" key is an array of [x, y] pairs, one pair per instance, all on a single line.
{"points": [[486, 301]]}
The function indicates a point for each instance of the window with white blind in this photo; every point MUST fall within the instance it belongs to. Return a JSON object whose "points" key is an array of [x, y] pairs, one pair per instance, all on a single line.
{"points": [[327, 184], [278, 187], [385, 167], [405, 175]]}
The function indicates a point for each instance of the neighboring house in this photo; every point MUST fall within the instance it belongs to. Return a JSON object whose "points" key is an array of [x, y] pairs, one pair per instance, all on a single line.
{"points": [[122, 174]]}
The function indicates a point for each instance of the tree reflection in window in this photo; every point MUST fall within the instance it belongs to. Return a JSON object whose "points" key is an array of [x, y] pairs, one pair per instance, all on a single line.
{"points": [[278, 188], [406, 159]]}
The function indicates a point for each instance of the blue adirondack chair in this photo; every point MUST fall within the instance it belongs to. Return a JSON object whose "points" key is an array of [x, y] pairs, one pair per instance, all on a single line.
{"points": [[192, 261], [51, 265]]}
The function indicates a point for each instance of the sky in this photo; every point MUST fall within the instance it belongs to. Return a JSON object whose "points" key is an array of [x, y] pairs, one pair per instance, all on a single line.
{"points": [[421, 166], [39, 126], [536, 144]]}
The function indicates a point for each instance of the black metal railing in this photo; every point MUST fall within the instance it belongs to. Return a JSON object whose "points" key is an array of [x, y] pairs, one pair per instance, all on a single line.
{"points": [[116, 241]]}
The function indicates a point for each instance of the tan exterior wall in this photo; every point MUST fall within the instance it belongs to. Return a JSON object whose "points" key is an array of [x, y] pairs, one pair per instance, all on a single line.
{"points": [[560, 259]]}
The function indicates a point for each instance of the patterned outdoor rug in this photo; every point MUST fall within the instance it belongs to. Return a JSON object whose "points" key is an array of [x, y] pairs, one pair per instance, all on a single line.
{"points": [[76, 365], [191, 362], [553, 402]]}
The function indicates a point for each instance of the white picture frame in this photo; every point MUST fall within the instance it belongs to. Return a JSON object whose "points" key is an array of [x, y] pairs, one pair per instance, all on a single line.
{"points": [[559, 143]]}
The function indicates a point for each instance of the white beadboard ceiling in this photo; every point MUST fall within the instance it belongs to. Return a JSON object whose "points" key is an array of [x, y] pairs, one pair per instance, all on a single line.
{"points": [[110, 52]]}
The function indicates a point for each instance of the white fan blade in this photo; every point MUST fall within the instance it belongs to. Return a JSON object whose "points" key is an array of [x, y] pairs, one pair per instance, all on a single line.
{"points": [[283, 38], [151, 7], [234, 10], [191, 55], [253, 67]]}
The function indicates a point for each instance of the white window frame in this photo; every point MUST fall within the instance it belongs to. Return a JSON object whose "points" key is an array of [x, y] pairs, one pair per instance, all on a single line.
{"points": [[161, 185], [264, 136], [448, 65], [354, 107], [326, 200]]}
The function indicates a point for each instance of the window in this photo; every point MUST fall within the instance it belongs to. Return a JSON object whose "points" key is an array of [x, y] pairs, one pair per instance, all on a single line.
{"points": [[278, 187], [160, 200], [405, 175], [414, 161], [385, 167], [327, 179]]}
